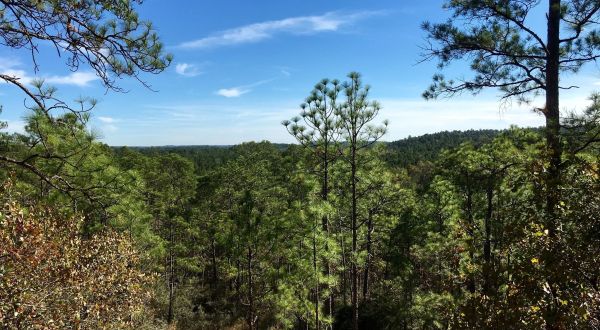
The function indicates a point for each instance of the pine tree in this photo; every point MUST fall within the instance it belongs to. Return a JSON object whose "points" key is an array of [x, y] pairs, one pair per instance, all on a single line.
{"points": [[355, 116]]}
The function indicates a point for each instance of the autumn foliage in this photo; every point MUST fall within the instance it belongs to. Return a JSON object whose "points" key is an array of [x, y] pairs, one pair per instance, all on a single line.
{"points": [[52, 276]]}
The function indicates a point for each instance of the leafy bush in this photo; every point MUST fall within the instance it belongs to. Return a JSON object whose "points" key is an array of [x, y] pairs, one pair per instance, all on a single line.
{"points": [[53, 277]]}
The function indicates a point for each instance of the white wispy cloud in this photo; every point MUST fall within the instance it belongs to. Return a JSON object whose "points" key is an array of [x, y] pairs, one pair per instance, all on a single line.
{"points": [[110, 128], [15, 126], [241, 90], [107, 120], [232, 92], [8, 63], [80, 79], [9, 66], [21, 75], [108, 124], [328, 22], [12, 67], [203, 122], [188, 69]]}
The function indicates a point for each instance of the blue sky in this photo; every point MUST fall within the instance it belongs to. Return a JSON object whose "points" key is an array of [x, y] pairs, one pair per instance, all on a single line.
{"points": [[241, 67]]}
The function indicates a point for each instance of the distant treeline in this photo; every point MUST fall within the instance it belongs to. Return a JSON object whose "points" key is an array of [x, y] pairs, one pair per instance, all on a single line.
{"points": [[401, 153], [414, 149]]}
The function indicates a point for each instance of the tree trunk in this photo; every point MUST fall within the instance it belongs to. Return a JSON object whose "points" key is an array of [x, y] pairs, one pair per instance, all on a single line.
{"points": [[214, 264], [251, 320], [368, 261], [487, 247], [325, 225], [552, 113], [316, 270], [171, 276], [345, 271], [354, 242], [471, 285], [470, 232]]}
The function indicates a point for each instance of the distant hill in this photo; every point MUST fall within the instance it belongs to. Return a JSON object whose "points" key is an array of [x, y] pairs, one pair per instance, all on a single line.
{"points": [[411, 150], [401, 153]]}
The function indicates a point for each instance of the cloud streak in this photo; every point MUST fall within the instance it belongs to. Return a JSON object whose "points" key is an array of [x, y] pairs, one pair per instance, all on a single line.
{"points": [[187, 69], [106, 120], [302, 25], [232, 92], [241, 90], [108, 124], [80, 79], [11, 67], [235, 122], [110, 128]]}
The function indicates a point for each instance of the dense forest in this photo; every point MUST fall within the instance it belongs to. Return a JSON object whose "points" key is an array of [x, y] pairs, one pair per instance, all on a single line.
{"points": [[401, 153], [480, 229]]}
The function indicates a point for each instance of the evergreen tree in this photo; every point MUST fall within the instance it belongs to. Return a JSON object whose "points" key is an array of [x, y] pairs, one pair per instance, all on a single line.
{"points": [[320, 135], [508, 54], [355, 116]]}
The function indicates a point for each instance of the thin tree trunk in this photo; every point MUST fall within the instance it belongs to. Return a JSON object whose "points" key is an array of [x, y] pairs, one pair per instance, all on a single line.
{"points": [[440, 225], [368, 261], [316, 274], [171, 275], [344, 272], [354, 242], [552, 113], [238, 284], [214, 263], [251, 318], [487, 251], [470, 232], [471, 285], [325, 224]]}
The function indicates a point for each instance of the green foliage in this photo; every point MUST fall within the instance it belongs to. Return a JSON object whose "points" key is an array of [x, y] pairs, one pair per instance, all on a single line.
{"points": [[448, 230], [426, 148], [504, 50], [108, 36], [458, 242]]}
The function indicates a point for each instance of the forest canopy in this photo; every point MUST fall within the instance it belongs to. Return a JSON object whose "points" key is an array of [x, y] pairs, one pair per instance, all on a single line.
{"points": [[477, 229]]}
